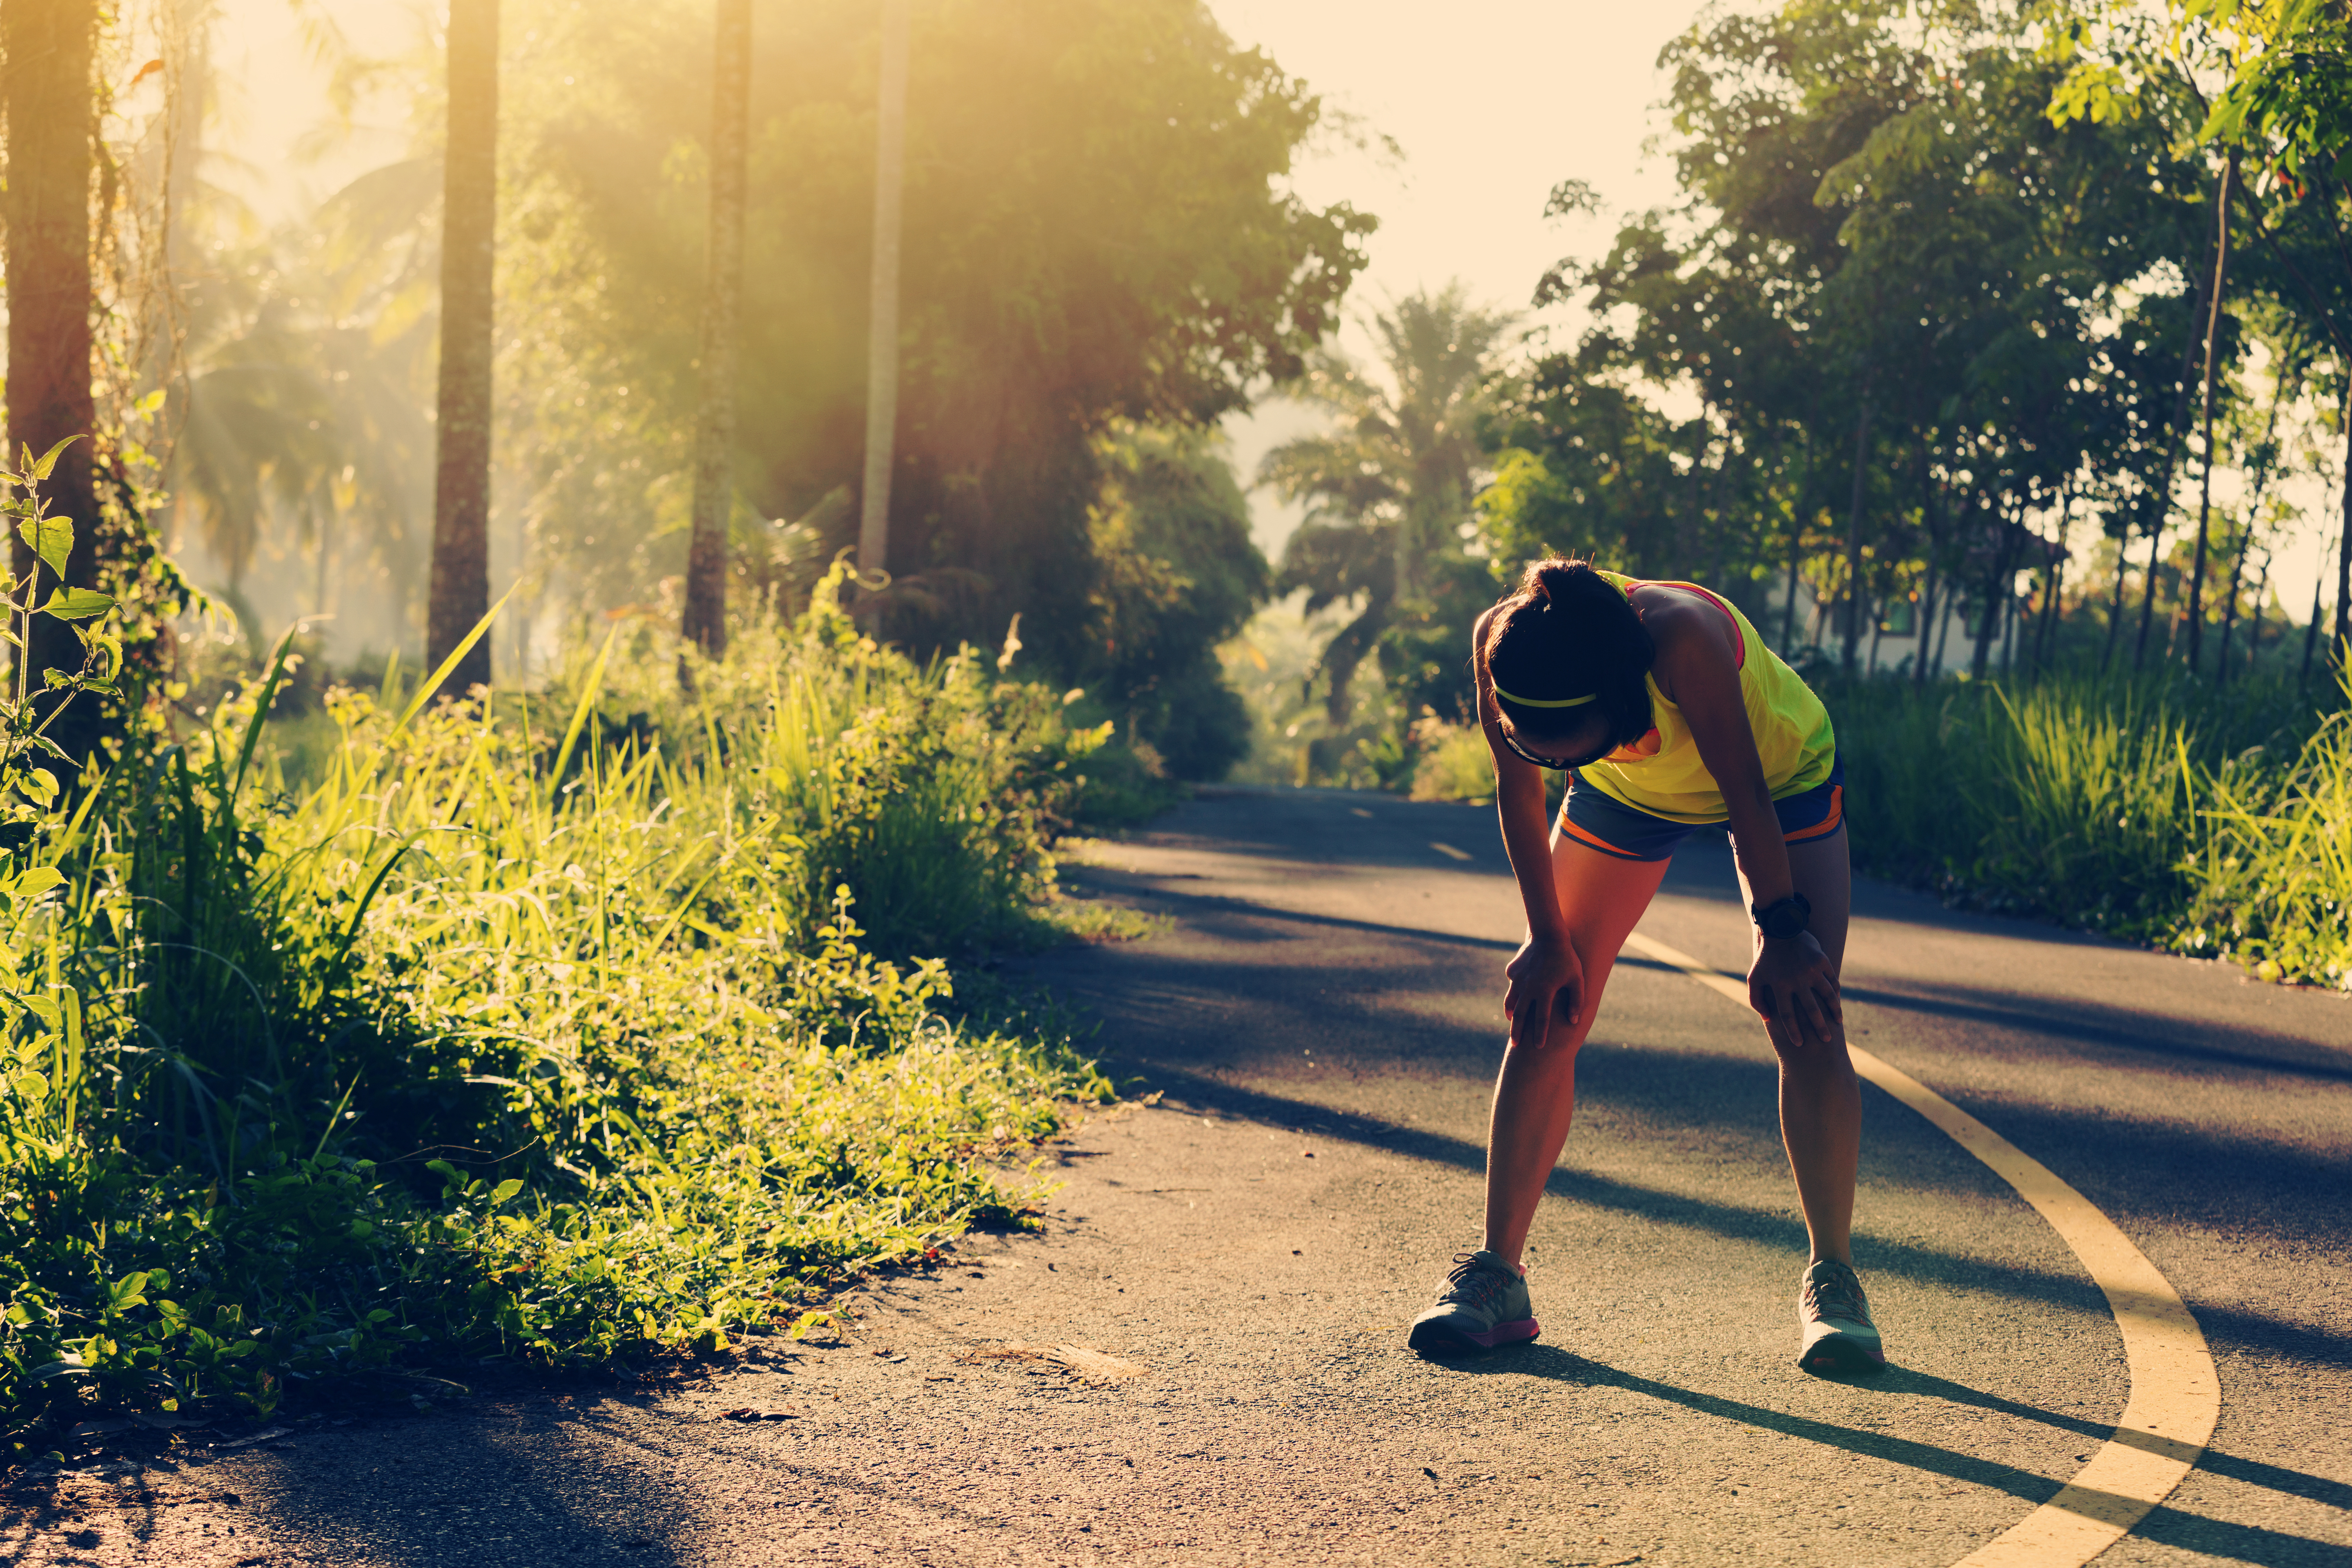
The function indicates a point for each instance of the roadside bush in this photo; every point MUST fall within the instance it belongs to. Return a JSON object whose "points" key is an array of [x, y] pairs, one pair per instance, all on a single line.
{"points": [[2205, 822], [1454, 762], [507, 1039]]}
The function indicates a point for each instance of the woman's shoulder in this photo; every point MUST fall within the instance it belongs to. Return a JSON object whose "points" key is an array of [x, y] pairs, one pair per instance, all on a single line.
{"points": [[1690, 631], [1672, 606]]}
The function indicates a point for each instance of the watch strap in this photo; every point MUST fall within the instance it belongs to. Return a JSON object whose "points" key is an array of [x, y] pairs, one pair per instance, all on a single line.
{"points": [[1783, 918]]}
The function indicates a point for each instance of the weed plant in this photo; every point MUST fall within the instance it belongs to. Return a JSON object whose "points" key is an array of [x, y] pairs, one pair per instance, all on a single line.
{"points": [[497, 1039]]}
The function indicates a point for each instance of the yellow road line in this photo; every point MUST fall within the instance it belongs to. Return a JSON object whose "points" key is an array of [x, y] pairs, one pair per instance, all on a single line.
{"points": [[1448, 849], [2176, 1392]]}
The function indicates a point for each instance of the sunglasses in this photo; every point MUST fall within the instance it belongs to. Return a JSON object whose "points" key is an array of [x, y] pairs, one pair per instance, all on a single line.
{"points": [[1564, 764]]}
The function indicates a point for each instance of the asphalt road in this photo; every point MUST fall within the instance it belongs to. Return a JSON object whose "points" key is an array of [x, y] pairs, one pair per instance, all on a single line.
{"points": [[1201, 1360]]}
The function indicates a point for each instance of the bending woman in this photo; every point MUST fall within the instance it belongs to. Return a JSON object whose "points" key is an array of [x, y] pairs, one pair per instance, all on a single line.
{"points": [[1670, 715]]}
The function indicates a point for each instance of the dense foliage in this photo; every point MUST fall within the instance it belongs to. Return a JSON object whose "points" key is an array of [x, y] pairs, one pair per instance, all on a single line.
{"points": [[507, 1036]]}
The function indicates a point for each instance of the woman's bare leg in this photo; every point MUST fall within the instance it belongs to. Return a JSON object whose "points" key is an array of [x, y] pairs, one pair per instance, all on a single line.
{"points": [[1820, 1103], [1601, 898]]}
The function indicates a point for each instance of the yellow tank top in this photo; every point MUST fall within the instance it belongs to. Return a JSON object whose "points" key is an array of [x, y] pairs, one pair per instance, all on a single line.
{"points": [[1661, 774]]}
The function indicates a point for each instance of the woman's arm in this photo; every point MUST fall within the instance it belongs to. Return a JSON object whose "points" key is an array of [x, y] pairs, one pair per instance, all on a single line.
{"points": [[1547, 970], [1791, 982]]}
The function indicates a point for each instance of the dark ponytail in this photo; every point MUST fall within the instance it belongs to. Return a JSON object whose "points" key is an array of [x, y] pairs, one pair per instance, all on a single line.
{"points": [[1565, 632]]}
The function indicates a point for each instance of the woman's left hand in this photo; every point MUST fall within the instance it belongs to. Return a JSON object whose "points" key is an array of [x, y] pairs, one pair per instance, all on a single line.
{"points": [[1793, 984]]}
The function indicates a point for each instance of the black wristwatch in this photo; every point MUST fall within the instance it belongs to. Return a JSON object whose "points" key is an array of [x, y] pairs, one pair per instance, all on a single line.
{"points": [[1784, 918]]}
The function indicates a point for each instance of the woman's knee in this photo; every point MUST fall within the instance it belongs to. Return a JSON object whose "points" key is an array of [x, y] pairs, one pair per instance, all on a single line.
{"points": [[1809, 1060], [1555, 1058]]}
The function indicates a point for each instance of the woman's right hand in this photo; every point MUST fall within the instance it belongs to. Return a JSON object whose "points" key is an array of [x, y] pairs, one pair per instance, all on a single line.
{"points": [[1547, 983]]}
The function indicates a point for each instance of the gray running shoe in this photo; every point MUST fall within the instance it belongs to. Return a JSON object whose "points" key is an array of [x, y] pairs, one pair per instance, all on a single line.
{"points": [[1833, 1319], [1484, 1304]]}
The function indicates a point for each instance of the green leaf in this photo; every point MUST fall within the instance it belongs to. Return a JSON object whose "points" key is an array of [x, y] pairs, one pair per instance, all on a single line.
{"points": [[50, 538], [31, 1088], [506, 1189], [48, 464], [33, 883], [76, 604]]}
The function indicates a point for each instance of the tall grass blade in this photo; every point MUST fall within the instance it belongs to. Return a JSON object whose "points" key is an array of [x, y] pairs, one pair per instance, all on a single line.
{"points": [[269, 685], [588, 692], [424, 693]]}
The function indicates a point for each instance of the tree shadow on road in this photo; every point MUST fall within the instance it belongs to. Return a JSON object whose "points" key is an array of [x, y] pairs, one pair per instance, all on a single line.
{"points": [[2228, 1326], [2175, 1527], [1902, 1381]]}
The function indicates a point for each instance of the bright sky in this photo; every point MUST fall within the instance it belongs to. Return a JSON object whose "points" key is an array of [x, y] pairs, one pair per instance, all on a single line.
{"points": [[1494, 102]]}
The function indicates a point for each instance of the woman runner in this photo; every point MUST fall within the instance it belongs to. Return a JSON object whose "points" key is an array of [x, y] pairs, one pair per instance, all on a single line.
{"points": [[1669, 715]]}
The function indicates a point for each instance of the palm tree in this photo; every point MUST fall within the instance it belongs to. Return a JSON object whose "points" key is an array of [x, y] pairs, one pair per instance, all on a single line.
{"points": [[714, 436], [461, 490], [304, 396], [1389, 487]]}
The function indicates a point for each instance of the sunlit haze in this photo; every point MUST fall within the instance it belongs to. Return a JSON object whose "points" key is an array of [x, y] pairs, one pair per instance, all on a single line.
{"points": [[1489, 106]]}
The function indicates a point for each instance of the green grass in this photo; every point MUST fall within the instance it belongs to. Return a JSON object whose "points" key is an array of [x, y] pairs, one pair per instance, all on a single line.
{"points": [[538, 1034], [2206, 822]]}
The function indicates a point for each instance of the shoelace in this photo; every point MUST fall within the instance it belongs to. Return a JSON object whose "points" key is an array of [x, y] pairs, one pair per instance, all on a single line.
{"points": [[1473, 1283], [1837, 1294]]}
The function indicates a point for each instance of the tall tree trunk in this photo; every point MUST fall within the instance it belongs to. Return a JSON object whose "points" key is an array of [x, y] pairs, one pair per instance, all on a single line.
{"points": [[1931, 508], [2180, 430], [2054, 581], [2116, 609], [1695, 515], [1797, 549], [1943, 635], [2148, 599], [2311, 626], [461, 481], [47, 90], [2054, 607], [2213, 373], [2246, 538], [705, 622], [2009, 618], [1854, 528], [2254, 625], [2001, 588], [2230, 606], [2343, 569], [1959, 530], [882, 310], [1789, 607]]}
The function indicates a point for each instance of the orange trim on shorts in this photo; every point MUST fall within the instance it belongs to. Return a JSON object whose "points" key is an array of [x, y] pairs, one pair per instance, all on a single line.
{"points": [[1591, 839], [1827, 825]]}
